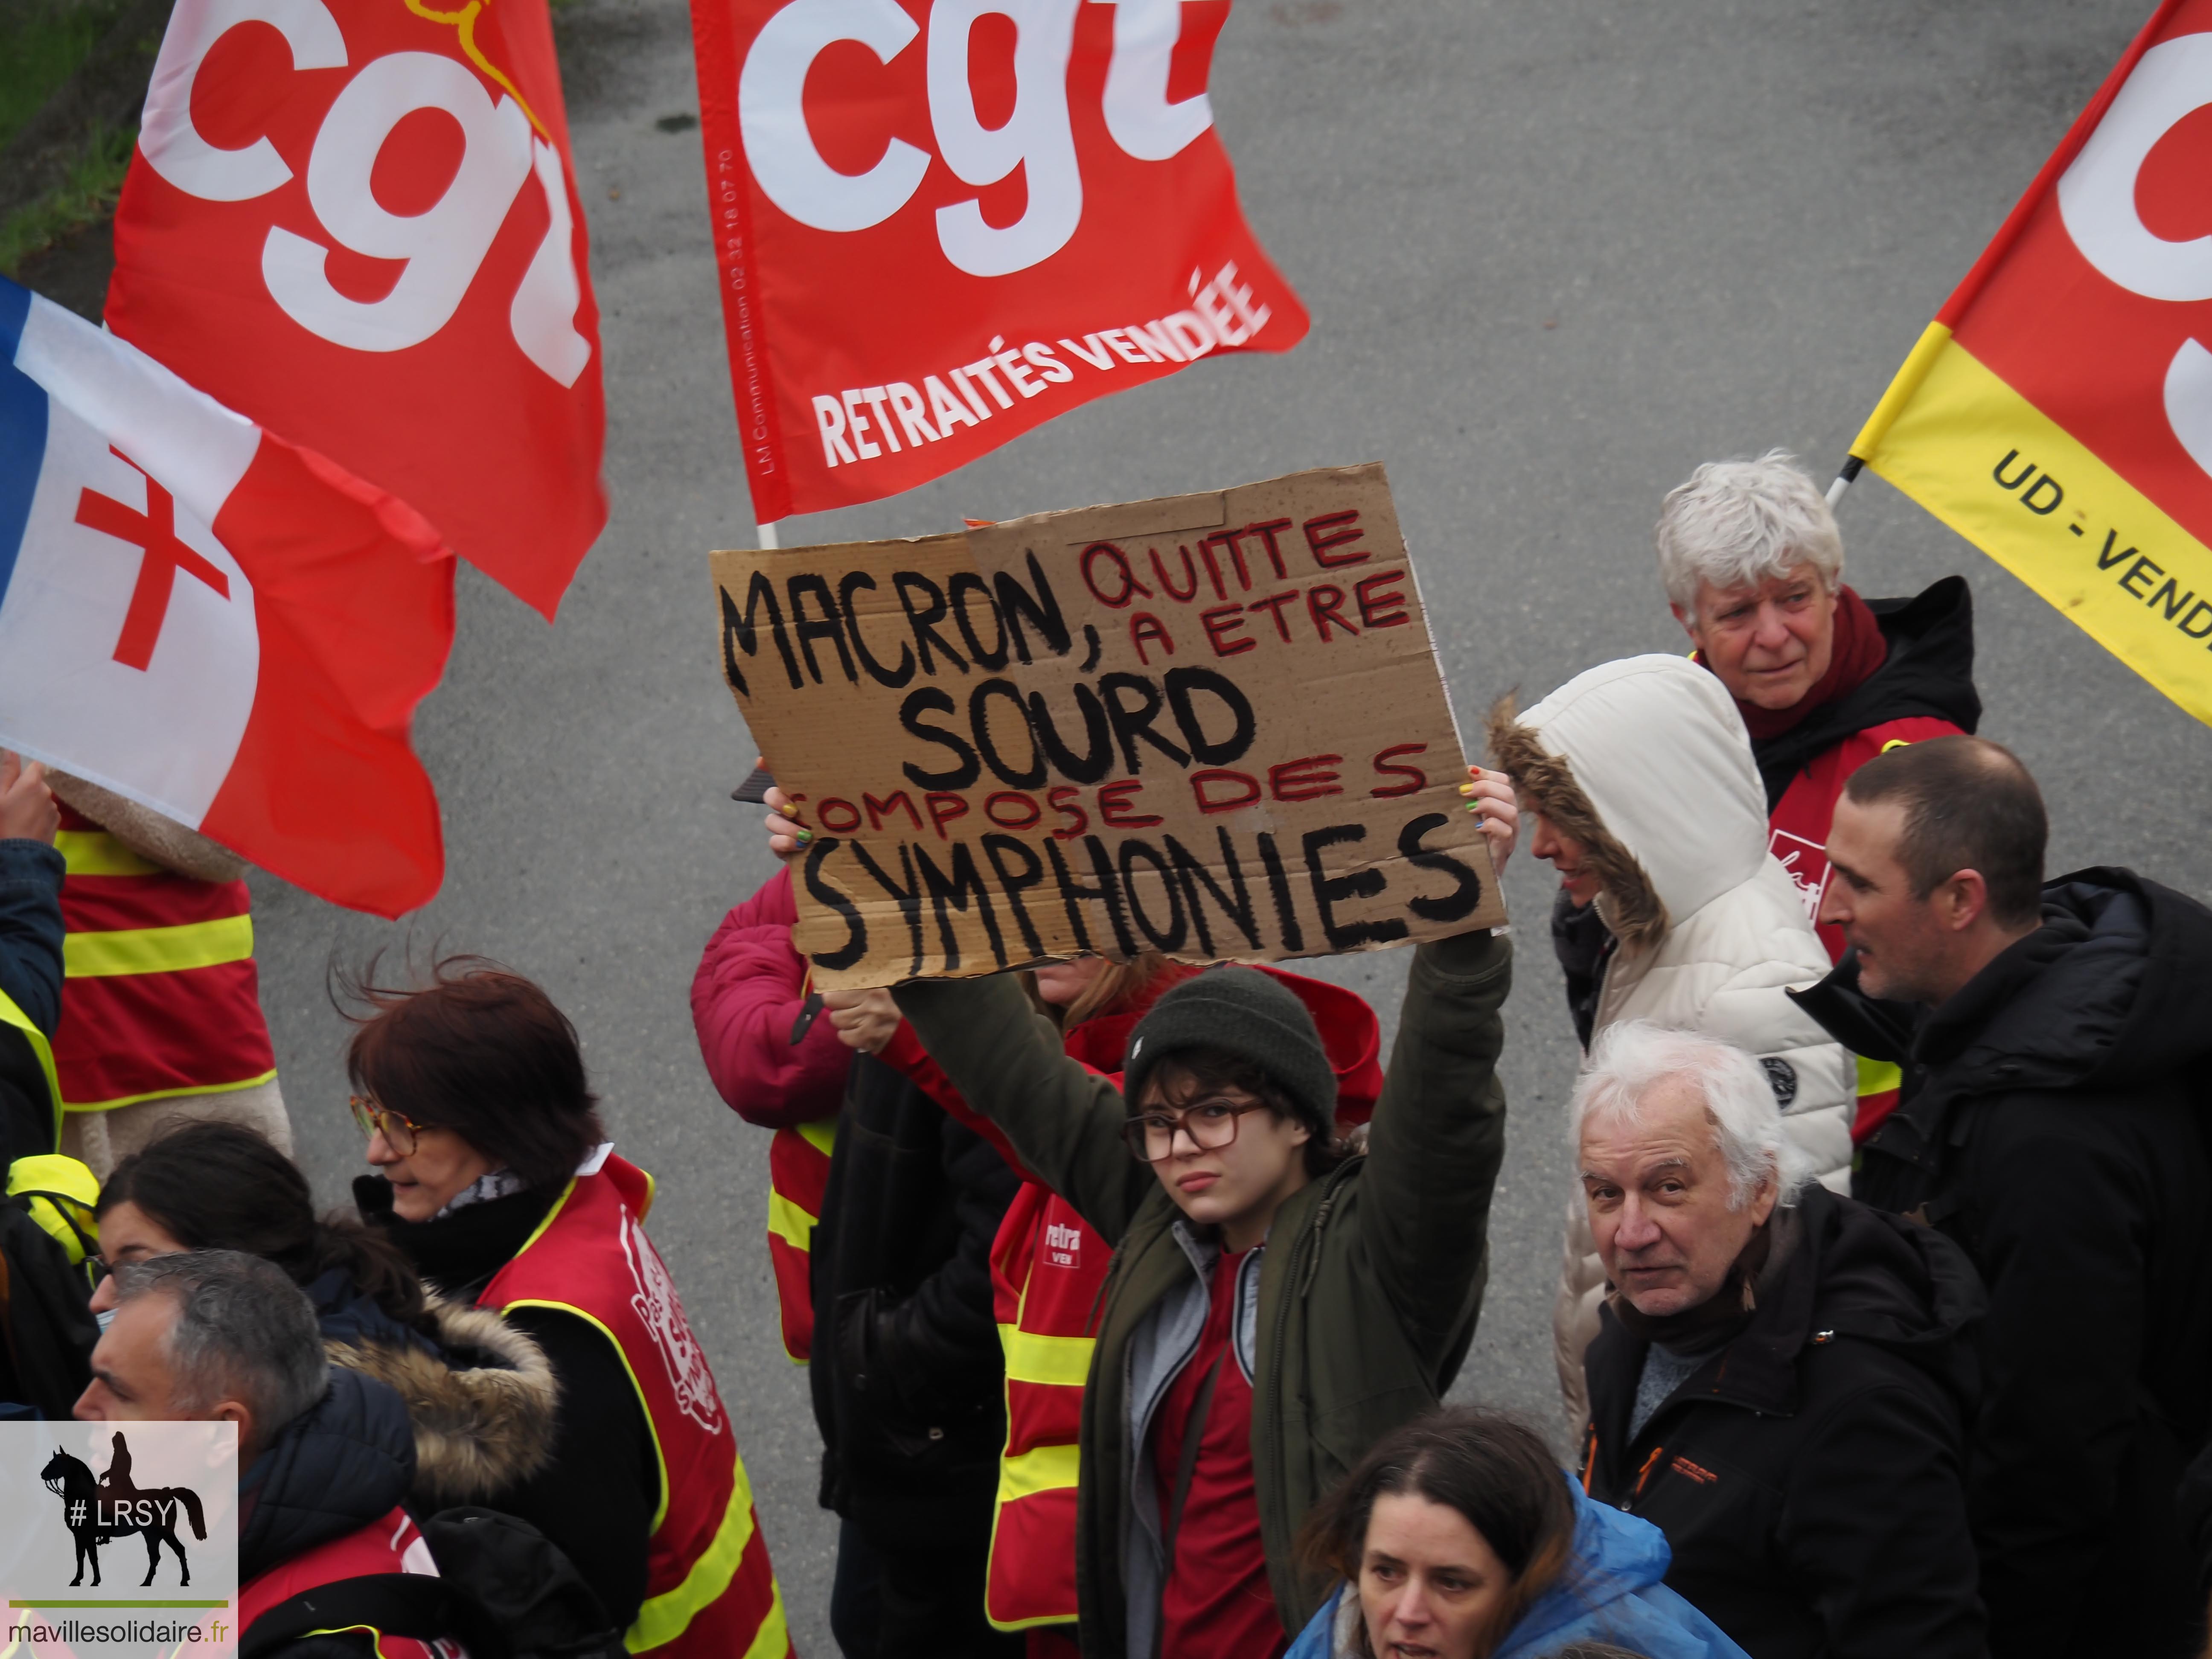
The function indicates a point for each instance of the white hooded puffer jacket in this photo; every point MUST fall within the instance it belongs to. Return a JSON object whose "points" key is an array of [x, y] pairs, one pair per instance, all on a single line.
{"points": [[1661, 755]]}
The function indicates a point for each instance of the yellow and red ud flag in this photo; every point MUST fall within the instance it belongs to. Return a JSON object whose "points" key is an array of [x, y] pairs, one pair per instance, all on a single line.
{"points": [[2057, 413], [942, 222], [354, 222]]}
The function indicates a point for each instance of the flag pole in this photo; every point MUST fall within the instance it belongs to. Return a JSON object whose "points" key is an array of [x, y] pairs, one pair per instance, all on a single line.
{"points": [[1850, 470], [1906, 381], [766, 533]]}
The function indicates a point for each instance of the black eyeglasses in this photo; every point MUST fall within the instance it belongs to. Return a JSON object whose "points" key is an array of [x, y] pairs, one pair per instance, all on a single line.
{"points": [[400, 1132], [1211, 1124]]}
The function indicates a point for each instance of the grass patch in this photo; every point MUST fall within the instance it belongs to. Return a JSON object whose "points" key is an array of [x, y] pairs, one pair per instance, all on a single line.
{"points": [[41, 44], [95, 179]]}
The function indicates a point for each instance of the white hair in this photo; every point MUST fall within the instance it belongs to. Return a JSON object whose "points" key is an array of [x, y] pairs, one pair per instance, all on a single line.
{"points": [[1630, 1060], [1739, 522]]}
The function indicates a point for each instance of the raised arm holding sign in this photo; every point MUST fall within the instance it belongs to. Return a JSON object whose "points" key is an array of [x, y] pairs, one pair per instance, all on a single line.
{"points": [[1210, 725]]}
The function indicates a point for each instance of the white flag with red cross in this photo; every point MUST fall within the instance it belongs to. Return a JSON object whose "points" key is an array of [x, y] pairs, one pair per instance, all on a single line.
{"points": [[212, 621]]}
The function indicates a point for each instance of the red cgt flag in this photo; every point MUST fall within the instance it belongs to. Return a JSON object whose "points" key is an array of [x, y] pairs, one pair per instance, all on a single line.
{"points": [[942, 222], [354, 221]]}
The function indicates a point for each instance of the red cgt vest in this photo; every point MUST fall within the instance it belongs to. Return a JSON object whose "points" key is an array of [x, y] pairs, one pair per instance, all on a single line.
{"points": [[1048, 1267], [710, 1592], [391, 1545], [161, 997]]}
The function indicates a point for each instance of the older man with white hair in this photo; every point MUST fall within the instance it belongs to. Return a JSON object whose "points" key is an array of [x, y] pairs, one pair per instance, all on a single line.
{"points": [[1779, 1382], [1752, 564]]}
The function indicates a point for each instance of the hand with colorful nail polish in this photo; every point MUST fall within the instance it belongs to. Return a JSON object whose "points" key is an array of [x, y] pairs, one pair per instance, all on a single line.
{"points": [[1490, 798]]}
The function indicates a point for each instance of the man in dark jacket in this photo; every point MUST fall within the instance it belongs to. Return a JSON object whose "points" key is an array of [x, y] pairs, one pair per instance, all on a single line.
{"points": [[906, 1370], [30, 961], [327, 1453], [2060, 1036], [1779, 1383]]}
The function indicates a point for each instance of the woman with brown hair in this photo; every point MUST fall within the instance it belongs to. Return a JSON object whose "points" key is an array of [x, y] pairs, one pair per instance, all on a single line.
{"points": [[496, 1180], [1459, 1537]]}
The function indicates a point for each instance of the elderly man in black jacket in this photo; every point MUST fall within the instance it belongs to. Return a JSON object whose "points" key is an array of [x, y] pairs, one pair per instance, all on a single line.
{"points": [[1779, 1383], [2060, 1037]]}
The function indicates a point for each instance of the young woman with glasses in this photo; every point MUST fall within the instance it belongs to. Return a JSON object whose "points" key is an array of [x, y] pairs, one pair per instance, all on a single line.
{"points": [[1276, 1304]]}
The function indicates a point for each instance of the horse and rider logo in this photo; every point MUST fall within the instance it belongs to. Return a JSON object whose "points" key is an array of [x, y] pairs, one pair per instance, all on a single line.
{"points": [[96, 1511]]}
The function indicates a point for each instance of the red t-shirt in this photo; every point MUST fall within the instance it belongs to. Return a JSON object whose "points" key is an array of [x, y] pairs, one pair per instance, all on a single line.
{"points": [[1218, 1605]]}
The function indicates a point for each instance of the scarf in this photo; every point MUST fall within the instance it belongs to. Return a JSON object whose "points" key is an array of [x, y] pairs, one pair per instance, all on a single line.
{"points": [[1858, 650], [1724, 1315], [493, 1183]]}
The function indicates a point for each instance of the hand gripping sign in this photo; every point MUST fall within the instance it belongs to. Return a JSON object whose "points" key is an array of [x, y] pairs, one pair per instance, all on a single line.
{"points": [[354, 221], [942, 222], [1211, 726]]}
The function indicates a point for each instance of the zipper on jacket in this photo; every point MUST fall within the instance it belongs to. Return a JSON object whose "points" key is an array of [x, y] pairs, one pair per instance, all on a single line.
{"points": [[1645, 1474]]}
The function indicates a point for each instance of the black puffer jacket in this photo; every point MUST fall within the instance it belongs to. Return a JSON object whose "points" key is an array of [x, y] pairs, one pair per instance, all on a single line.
{"points": [[2059, 1134], [349, 1462], [1810, 1475], [906, 1370]]}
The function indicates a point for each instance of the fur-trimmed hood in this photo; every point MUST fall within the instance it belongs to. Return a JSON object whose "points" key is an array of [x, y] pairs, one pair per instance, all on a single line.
{"points": [[483, 1411], [1646, 763]]}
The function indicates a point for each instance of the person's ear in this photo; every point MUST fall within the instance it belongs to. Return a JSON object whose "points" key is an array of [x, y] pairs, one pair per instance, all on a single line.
{"points": [[1689, 623], [238, 1411], [1961, 900], [1762, 1201]]}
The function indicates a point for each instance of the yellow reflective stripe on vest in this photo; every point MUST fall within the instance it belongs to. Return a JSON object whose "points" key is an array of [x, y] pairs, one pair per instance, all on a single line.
{"points": [[11, 1015], [821, 1134], [666, 1616], [1045, 1469], [1059, 1361], [96, 853], [789, 1222], [1878, 1077], [158, 949]]}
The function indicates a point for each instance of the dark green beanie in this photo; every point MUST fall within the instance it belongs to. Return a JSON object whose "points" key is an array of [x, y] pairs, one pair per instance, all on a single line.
{"points": [[1244, 1012]]}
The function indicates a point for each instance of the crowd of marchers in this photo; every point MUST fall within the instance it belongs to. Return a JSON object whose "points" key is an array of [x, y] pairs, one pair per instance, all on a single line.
{"points": [[1130, 1291]]}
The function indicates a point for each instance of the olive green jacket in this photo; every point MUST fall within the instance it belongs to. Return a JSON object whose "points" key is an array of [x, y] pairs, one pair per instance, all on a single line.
{"points": [[1370, 1285]]}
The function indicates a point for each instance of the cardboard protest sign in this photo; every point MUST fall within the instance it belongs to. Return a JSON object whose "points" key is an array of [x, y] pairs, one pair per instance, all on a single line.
{"points": [[1210, 725]]}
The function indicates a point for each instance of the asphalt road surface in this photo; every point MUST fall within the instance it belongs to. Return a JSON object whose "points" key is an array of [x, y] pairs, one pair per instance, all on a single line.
{"points": [[1557, 251]]}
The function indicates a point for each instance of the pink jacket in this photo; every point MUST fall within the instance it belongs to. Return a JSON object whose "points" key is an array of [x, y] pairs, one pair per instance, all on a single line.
{"points": [[748, 991]]}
